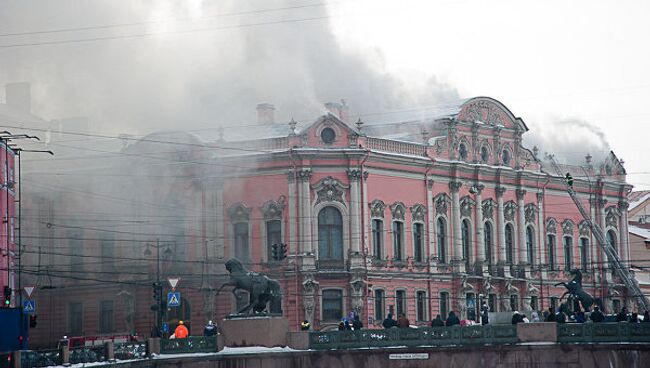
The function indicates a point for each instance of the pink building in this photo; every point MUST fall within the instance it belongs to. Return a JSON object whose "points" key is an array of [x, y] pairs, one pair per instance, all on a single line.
{"points": [[419, 217], [8, 249]]}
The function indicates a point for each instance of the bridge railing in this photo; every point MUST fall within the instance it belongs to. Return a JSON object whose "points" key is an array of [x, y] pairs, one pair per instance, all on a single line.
{"points": [[603, 332], [192, 344], [40, 358], [431, 336]]}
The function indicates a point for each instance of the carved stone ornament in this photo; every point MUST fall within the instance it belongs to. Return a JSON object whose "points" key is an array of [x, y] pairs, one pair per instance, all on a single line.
{"points": [[466, 205], [623, 205], [487, 285], [611, 220], [377, 208], [330, 190], [540, 197], [238, 212], [530, 212], [304, 175], [454, 186], [520, 193], [509, 211], [483, 111], [272, 210], [532, 290], [309, 288], [551, 226], [500, 191], [442, 203], [357, 288], [488, 209], [354, 174], [398, 210], [418, 212], [465, 286], [567, 227], [584, 228]]}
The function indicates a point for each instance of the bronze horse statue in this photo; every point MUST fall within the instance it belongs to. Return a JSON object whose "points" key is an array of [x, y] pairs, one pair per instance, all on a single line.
{"points": [[575, 291], [261, 289]]}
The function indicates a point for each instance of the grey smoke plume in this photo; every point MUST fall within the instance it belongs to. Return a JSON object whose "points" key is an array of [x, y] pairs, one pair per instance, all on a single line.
{"points": [[569, 139], [195, 80]]}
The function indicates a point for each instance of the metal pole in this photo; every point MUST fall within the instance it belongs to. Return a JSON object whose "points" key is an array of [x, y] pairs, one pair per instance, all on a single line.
{"points": [[20, 206], [159, 317], [6, 187]]}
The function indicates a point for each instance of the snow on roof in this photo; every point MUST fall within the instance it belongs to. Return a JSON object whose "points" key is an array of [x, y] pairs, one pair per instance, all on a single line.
{"points": [[637, 198], [644, 233]]}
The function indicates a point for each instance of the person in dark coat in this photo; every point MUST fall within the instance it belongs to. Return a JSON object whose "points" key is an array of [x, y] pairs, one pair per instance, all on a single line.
{"points": [[569, 180], [484, 314], [646, 316], [516, 318], [634, 318], [210, 329], [622, 315], [597, 316], [341, 326], [347, 325], [551, 316], [561, 317], [389, 322], [580, 317], [403, 322], [452, 319], [356, 323], [437, 322]]}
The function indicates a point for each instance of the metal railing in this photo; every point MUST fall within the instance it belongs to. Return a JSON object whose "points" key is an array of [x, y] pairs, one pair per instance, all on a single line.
{"points": [[430, 336], [192, 344], [41, 358], [87, 354], [130, 350], [603, 332]]}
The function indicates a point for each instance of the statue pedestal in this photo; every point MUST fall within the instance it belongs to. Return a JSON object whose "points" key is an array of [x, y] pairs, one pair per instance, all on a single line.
{"points": [[266, 331]]}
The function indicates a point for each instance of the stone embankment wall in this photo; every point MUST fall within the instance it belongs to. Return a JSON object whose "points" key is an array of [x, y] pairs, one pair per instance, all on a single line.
{"points": [[503, 356]]}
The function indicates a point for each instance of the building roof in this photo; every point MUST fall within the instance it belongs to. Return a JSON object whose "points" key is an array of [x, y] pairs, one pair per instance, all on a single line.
{"points": [[638, 197], [640, 231]]}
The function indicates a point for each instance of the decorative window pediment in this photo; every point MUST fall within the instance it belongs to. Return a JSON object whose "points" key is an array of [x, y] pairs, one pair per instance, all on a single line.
{"points": [[584, 228], [551, 225], [466, 205], [567, 227], [418, 212], [377, 208], [398, 210], [330, 190], [238, 212], [612, 216], [442, 202], [530, 212], [509, 211], [488, 209], [272, 210]]}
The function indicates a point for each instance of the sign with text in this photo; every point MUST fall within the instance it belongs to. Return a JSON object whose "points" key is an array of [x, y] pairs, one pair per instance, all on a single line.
{"points": [[408, 356]]}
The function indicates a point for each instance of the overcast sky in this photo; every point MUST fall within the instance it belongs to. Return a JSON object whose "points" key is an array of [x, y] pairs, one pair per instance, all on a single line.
{"points": [[576, 72]]}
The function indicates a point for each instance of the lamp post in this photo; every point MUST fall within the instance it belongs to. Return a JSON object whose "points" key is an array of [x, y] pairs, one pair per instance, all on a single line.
{"points": [[158, 286]]}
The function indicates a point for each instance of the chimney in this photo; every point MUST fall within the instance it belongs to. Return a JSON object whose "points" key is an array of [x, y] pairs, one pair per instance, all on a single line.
{"points": [[19, 96], [340, 110], [265, 113]]}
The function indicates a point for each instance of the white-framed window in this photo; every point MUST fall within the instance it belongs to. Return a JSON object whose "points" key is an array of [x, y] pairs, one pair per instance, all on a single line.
{"points": [[332, 305], [380, 304], [568, 252], [584, 249], [418, 241], [510, 243], [377, 238], [330, 234], [441, 239], [488, 238], [530, 245], [466, 240], [444, 304], [273, 236], [421, 302], [550, 242], [398, 240], [400, 301]]}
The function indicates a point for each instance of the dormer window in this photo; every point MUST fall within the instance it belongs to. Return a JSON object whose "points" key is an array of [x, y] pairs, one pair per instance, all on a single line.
{"points": [[505, 157], [328, 135]]}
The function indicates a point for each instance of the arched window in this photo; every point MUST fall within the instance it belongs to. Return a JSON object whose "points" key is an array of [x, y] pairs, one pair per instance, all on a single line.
{"points": [[530, 244], [568, 252], [509, 235], [418, 241], [611, 238], [584, 246], [330, 234], [465, 233], [551, 251], [241, 240], [487, 234], [442, 240]]}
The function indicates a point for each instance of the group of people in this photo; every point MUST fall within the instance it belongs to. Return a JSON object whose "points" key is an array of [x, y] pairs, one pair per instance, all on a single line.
{"points": [[356, 324], [182, 332], [402, 321]]}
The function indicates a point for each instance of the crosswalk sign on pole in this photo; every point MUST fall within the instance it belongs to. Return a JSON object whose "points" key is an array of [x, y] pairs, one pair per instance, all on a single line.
{"points": [[174, 299], [29, 306]]}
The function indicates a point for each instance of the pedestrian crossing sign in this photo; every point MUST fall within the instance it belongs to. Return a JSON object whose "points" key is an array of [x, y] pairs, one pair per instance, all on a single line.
{"points": [[29, 306], [174, 299]]}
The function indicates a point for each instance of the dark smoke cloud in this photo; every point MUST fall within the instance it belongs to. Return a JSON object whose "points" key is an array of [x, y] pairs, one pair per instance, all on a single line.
{"points": [[196, 80]]}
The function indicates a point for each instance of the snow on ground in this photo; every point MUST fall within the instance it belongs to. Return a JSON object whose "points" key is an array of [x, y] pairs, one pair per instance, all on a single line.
{"points": [[255, 350]]}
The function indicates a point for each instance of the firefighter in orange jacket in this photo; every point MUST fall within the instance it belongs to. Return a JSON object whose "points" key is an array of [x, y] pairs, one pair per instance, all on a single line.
{"points": [[181, 331]]}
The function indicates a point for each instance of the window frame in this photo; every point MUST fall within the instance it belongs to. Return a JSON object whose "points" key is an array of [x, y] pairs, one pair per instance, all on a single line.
{"points": [[401, 305], [421, 305], [567, 251], [441, 239], [380, 304], [267, 236], [584, 253], [241, 251], [552, 256], [466, 240], [398, 240], [340, 227], [106, 326], [341, 292], [509, 240], [443, 306], [377, 238], [488, 241], [530, 244], [418, 246]]}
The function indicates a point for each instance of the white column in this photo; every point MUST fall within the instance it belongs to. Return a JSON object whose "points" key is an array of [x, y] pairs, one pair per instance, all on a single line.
{"points": [[501, 244], [624, 234], [355, 201], [454, 187], [521, 226], [364, 211], [291, 211], [305, 211], [541, 231], [433, 251], [480, 238]]}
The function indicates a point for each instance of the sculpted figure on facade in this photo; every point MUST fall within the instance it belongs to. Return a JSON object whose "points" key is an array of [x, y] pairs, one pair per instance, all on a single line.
{"points": [[357, 290], [530, 213], [567, 227], [488, 209], [418, 213], [509, 211], [466, 206], [309, 289]]}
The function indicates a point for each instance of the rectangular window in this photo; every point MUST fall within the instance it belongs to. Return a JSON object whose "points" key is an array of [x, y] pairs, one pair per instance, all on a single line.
{"points": [[76, 250], [273, 236], [421, 299], [492, 302], [568, 250], [380, 305], [377, 236], [551, 251], [398, 230], [584, 246], [241, 241], [108, 254], [106, 316], [332, 305], [514, 302], [554, 303], [534, 303], [400, 301], [418, 242], [470, 304], [444, 304], [75, 318]]}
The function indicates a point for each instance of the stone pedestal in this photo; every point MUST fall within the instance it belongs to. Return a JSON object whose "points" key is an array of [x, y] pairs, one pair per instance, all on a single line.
{"points": [[255, 331], [537, 331]]}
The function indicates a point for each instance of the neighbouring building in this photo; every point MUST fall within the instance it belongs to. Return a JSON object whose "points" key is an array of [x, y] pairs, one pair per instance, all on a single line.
{"points": [[419, 217], [639, 206]]}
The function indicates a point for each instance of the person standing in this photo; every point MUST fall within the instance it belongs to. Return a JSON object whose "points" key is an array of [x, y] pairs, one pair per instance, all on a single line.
{"points": [[646, 316], [452, 319], [437, 322], [622, 315], [210, 329], [389, 322], [485, 319], [181, 332], [356, 323], [403, 322], [597, 316]]}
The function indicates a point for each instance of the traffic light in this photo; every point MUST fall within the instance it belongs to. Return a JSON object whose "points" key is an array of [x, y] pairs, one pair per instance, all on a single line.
{"points": [[275, 252], [283, 252], [157, 291], [33, 321], [7, 296]]}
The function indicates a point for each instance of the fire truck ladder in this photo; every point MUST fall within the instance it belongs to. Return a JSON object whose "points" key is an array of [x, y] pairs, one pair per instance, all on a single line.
{"points": [[612, 255]]}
